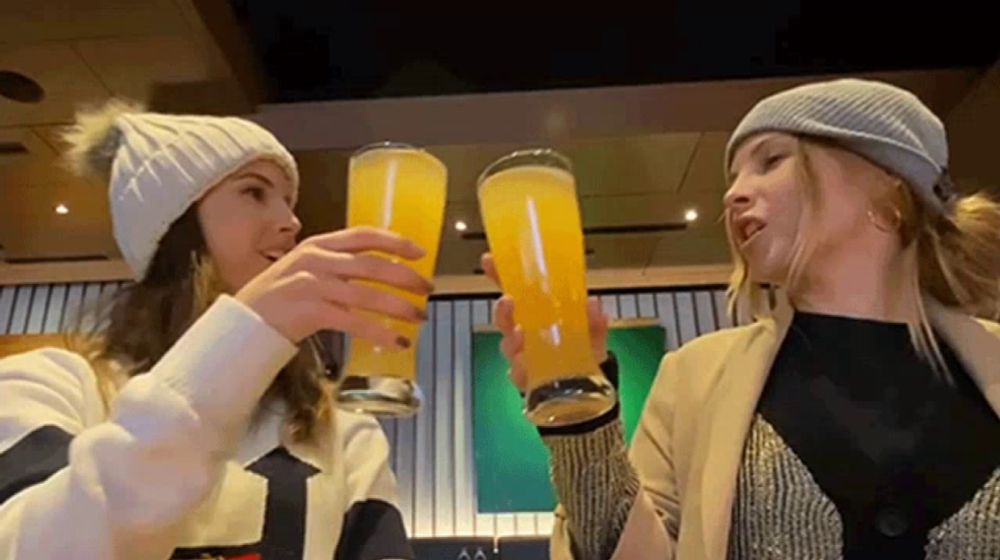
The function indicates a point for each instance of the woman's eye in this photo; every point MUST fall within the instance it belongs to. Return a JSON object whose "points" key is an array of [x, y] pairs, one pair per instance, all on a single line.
{"points": [[771, 161], [257, 193]]}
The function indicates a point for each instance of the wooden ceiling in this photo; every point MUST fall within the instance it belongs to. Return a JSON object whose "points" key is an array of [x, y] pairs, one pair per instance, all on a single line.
{"points": [[642, 155], [623, 181], [82, 52]]}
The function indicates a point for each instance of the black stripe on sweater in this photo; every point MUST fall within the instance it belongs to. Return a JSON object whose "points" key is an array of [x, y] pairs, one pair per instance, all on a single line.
{"points": [[33, 459], [284, 532], [373, 530]]}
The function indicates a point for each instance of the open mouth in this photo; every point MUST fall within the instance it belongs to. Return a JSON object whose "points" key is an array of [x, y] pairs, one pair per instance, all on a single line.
{"points": [[749, 229]]}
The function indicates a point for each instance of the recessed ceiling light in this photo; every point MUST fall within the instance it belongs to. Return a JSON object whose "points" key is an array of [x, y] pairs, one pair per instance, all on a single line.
{"points": [[691, 215], [62, 209], [461, 226]]}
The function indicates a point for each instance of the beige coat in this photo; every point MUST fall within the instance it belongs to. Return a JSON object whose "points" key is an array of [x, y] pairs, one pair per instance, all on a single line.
{"points": [[689, 444]]}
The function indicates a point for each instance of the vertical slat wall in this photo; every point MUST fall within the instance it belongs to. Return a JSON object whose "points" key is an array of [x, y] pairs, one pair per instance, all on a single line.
{"points": [[433, 452], [50, 308]]}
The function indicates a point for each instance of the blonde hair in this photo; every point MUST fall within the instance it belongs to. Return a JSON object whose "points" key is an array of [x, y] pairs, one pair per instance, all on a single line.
{"points": [[953, 258]]}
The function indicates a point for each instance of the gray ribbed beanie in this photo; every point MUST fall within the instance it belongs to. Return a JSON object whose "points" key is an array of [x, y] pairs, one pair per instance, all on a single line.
{"points": [[886, 124]]}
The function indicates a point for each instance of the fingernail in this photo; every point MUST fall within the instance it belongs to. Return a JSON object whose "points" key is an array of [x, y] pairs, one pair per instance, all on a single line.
{"points": [[403, 342]]}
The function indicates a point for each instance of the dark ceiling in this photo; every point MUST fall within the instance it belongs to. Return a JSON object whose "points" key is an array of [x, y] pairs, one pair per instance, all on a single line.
{"points": [[309, 50]]}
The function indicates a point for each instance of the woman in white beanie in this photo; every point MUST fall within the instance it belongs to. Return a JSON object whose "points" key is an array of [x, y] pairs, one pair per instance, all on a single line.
{"points": [[856, 416], [199, 422]]}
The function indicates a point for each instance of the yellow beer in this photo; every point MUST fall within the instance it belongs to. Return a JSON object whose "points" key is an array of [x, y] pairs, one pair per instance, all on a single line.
{"points": [[402, 189], [532, 219]]}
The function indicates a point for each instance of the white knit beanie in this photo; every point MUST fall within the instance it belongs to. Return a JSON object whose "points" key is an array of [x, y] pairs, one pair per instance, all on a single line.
{"points": [[158, 165], [882, 122]]}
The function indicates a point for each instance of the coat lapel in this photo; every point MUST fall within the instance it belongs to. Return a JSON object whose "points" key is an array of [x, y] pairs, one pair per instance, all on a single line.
{"points": [[725, 419]]}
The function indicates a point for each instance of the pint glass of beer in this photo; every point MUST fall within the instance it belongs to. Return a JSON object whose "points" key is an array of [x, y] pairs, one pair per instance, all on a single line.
{"points": [[529, 208], [402, 189]]}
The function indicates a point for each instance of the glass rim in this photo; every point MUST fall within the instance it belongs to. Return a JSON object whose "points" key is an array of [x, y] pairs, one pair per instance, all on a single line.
{"points": [[547, 157], [385, 145]]}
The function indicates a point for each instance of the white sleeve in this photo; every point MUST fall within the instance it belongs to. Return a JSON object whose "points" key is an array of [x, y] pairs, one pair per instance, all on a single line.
{"points": [[74, 486]]}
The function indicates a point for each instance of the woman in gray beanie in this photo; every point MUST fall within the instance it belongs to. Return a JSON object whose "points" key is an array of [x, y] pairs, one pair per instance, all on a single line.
{"points": [[198, 421], [856, 415]]}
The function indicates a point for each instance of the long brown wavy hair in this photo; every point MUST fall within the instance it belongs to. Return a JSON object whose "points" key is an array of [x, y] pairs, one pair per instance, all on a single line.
{"points": [[144, 319]]}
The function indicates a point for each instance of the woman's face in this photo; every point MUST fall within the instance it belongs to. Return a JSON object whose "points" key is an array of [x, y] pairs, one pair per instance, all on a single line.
{"points": [[248, 221], [764, 204], [766, 199]]}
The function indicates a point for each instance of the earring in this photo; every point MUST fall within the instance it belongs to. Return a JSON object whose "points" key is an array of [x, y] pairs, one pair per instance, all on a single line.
{"points": [[897, 221]]}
